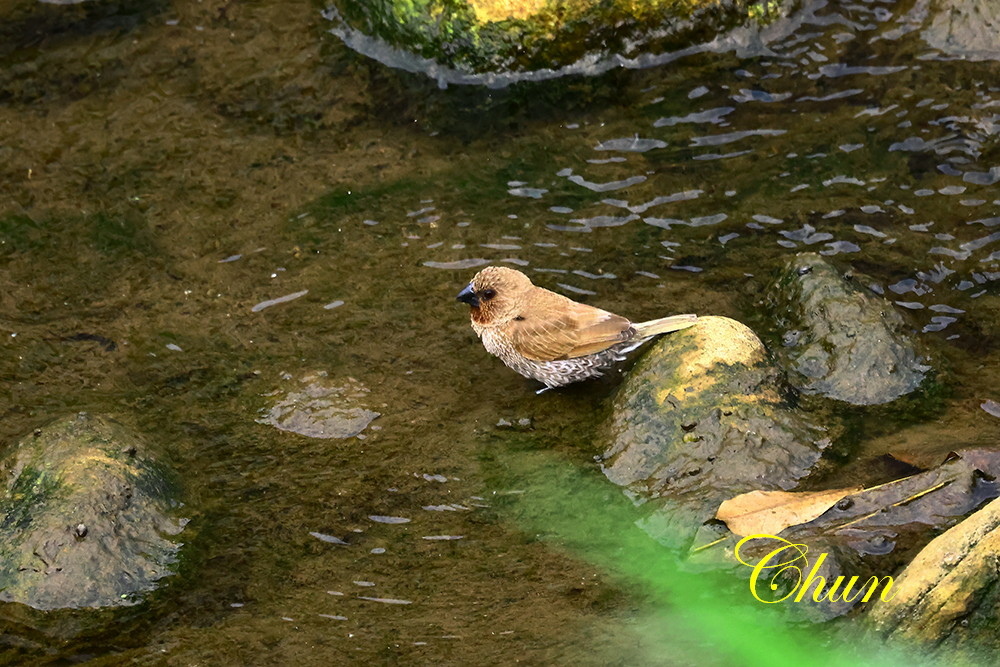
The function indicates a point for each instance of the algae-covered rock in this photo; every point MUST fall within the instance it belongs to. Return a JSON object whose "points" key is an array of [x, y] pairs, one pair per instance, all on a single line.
{"points": [[841, 340], [701, 418], [949, 593], [88, 517], [499, 36]]}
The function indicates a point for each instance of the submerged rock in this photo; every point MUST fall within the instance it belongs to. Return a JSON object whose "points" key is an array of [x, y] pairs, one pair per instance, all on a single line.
{"points": [[89, 517], [965, 28], [839, 339], [949, 593], [319, 407], [455, 40], [701, 418]]}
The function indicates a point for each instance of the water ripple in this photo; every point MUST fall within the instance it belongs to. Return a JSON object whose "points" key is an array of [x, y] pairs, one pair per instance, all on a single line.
{"points": [[656, 201], [747, 95], [982, 177], [533, 193], [470, 263], [721, 156], [714, 116], [281, 299], [378, 518], [605, 220], [719, 139], [604, 187], [842, 69], [630, 145], [577, 290], [850, 92]]}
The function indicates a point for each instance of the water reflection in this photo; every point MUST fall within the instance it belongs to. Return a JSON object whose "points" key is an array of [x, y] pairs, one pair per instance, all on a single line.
{"points": [[869, 107]]}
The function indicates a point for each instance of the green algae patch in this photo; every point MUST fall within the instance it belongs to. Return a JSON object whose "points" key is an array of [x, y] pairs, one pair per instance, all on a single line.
{"points": [[91, 237], [88, 517]]}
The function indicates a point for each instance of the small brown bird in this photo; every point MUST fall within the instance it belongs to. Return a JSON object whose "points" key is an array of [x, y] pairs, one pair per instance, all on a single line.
{"points": [[548, 337]]}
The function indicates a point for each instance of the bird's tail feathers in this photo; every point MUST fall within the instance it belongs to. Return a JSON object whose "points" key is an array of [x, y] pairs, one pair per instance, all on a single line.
{"points": [[664, 325]]}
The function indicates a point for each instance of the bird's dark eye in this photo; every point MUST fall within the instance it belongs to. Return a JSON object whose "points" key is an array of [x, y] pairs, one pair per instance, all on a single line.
{"points": [[488, 294]]}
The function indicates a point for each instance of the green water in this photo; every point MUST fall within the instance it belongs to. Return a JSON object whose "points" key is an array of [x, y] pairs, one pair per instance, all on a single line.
{"points": [[139, 149]]}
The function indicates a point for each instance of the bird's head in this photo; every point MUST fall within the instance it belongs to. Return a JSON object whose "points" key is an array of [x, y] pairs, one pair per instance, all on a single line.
{"points": [[496, 294]]}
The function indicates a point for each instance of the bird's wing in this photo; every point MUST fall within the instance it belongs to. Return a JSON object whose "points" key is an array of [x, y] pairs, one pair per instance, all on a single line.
{"points": [[560, 328]]}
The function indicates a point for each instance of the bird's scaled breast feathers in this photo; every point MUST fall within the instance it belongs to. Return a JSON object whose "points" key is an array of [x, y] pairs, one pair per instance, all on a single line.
{"points": [[557, 372]]}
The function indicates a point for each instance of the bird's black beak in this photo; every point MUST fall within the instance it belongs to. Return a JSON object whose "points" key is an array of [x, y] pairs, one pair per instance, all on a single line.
{"points": [[468, 295]]}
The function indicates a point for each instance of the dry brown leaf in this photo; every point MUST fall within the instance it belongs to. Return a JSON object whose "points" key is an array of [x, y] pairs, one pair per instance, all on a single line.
{"points": [[770, 512]]}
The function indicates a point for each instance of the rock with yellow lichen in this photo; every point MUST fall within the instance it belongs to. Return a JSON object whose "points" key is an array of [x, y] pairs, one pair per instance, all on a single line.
{"points": [[542, 36], [88, 519], [948, 597], [702, 418]]}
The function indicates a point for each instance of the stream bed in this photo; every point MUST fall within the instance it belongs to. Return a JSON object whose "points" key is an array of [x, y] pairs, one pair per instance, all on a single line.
{"points": [[212, 211]]}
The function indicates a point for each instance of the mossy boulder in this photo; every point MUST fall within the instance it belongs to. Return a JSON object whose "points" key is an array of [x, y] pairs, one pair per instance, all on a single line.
{"points": [[838, 338], [500, 36], [88, 519], [702, 418]]}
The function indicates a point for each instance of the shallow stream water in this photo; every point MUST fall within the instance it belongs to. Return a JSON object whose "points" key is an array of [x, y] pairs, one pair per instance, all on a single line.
{"points": [[170, 173]]}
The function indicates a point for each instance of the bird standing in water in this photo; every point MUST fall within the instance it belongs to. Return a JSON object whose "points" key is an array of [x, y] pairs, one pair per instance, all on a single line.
{"points": [[549, 337]]}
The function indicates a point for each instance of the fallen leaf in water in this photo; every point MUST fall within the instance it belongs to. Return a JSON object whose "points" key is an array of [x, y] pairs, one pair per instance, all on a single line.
{"points": [[770, 512], [873, 532]]}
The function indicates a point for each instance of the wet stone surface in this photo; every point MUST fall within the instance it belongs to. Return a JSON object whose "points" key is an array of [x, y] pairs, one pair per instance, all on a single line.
{"points": [[89, 518], [319, 407], [947, 596], [839, 339], [700, 419], [497, 43]]}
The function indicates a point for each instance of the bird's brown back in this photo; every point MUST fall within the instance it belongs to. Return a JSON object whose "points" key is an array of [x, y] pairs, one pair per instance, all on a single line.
{"points": [[550, 327]]}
